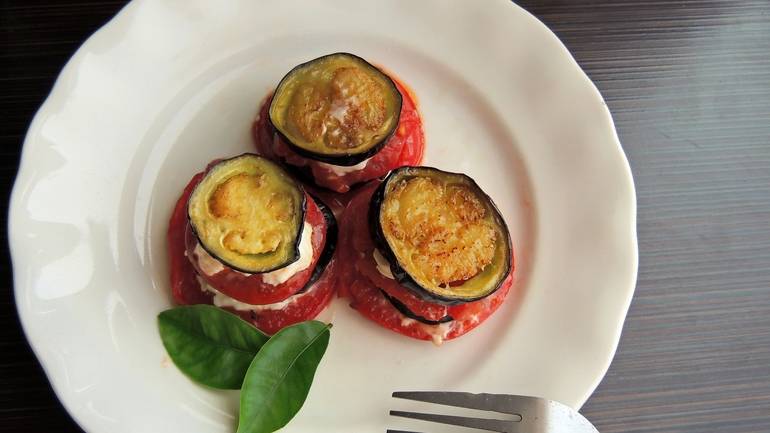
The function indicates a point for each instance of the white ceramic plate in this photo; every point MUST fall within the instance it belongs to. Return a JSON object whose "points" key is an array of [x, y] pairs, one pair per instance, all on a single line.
{"points": [[169, 85]]}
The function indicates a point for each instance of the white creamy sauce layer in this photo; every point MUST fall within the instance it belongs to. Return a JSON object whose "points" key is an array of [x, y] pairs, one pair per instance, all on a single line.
{"points": [[382, 264], [221, 300], [282, 275], [341, 170]]}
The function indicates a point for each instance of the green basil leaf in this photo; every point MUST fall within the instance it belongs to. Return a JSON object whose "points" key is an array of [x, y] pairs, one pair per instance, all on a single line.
{"points": [[210, 345], [279, 378]]}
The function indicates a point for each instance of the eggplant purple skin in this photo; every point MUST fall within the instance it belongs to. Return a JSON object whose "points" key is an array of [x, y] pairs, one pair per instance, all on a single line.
{"points": [[330, 245], [400, 274], [345, 160], [403, 309], [303, 209]]}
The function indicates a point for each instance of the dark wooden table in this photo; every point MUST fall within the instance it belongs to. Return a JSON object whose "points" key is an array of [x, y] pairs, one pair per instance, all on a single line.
{"points": [[688, 83]]}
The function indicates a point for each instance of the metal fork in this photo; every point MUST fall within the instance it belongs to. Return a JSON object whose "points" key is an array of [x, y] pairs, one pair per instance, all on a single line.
{"points": [[531, 414]]}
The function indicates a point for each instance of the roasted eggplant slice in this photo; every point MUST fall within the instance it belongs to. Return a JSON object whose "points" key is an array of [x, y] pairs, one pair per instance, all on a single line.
{"points": [[337, 109], [442, 235], [403, 309], [248, 213]]}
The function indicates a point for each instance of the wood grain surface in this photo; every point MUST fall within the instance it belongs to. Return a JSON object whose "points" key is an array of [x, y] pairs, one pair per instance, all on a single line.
{"points": [[688, 83]]}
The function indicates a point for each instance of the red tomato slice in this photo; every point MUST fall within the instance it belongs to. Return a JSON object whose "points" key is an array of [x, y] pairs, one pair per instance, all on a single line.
{"points": [[301, 307], [420, 307], [352, 240], [184, 284], [405, 147], [363, 284], [186, 289], [250, 288], [370, 302]]}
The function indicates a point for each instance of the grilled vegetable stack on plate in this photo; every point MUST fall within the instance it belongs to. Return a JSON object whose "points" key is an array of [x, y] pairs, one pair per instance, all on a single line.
{"points": [[433, 260], [340, 121], [247, 237]]}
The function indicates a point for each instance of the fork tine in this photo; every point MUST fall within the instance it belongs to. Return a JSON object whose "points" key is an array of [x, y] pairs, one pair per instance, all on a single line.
{"points": [[479, 423], [501, 403]]}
